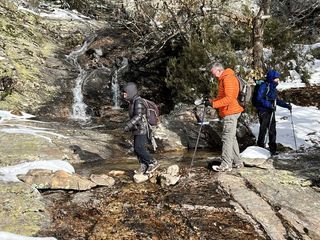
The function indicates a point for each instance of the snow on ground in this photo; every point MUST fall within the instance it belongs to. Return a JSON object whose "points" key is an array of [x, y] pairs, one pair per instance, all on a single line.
{"points": [[54, 13], [6, 115], [293, 81], [21, 129], [32, 131], [305, 122], [255, 152], [9, 174], [63, 14], [313, 67], [11, 236], [315, 76]]}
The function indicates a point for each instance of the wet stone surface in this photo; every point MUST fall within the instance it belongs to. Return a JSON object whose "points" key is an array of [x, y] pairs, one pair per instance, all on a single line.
{"points": [[195, 208]]}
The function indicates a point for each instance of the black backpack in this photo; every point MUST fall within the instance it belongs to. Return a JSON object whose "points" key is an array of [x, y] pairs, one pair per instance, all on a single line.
{"points": [[255, 92]]}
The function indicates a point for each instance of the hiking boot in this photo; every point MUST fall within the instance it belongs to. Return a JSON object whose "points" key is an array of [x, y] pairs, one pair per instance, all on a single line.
{"points": [[142, 170], [152, 167], [221, 168], [238, 165]]}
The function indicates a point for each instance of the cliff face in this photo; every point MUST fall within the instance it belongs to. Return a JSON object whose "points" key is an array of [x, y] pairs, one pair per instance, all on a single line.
{"points": [[131, 41], [34, 73], [33, 70]]}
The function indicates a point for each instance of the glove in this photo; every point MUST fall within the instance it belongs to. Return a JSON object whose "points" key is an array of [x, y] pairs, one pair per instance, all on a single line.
{"points": [[207, 102], [289, 107], [273, 108]]}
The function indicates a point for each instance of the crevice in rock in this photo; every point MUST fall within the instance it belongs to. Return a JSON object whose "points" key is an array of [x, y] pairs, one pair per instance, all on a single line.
{"points": [[292, 232]]}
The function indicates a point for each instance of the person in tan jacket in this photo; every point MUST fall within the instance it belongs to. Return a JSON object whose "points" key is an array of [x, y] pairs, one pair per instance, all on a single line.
{"points": [[230, 111]]}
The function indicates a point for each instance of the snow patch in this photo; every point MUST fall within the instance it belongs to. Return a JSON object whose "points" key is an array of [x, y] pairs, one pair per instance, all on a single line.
{"points": [[255, 152], [11, 236], [9, 174]]}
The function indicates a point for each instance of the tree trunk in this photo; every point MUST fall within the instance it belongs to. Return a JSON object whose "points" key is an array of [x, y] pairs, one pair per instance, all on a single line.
{"points": [[258, 31]]}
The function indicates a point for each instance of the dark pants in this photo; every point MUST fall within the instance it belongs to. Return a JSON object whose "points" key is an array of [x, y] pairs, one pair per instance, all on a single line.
{"points": [[267, 125], [140, 149]]}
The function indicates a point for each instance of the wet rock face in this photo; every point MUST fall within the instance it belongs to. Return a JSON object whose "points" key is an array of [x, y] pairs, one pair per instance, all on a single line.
{"points": [[32, 55], [97, 88], [146, 210], [116, 54]]}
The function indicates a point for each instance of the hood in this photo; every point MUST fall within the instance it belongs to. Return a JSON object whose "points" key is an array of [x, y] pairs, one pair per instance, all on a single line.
{"points": [[131, 89], [226, 72], [272, 74]]}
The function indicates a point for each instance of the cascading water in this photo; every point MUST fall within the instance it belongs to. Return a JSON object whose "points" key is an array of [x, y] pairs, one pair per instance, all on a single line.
{"points": [[79, 108], [115, 84], [115, 90]]}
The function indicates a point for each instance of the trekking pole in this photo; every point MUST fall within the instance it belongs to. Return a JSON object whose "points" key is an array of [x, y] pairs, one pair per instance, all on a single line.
{"points": [[267, 133], [294, 134], [196, 146], [270, 122]]}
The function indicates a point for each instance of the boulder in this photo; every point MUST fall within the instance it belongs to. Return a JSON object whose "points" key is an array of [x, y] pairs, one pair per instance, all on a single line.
{"points": [[22, 209], [139, 178], [170, 176], [102, 180], [180, 129], [47, 179]]}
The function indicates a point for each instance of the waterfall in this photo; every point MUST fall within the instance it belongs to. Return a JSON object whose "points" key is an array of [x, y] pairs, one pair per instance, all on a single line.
{"points": [[115, 84], [79, 108]]}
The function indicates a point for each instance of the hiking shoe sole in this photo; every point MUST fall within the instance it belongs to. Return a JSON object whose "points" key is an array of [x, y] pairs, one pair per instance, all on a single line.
{"points": [[221, 169], [238, 166], [153, 168]]}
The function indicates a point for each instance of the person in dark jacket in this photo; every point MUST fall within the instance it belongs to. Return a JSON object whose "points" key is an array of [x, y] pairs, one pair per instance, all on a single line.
{"points": [[267, 100], [138, 125]]}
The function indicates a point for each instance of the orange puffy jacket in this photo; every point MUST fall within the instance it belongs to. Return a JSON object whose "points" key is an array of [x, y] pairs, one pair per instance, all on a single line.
{"points": [[226, 100]]}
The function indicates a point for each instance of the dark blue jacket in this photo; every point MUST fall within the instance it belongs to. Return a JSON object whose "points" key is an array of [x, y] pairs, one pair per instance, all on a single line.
{"points": [[267, 96]]}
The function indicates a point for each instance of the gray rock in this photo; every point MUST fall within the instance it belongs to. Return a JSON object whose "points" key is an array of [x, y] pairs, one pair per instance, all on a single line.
{"points": [[299, 206], [139, 178], [102, 180], [254, 205], [173, 170], [168, 180], [170, 176]]}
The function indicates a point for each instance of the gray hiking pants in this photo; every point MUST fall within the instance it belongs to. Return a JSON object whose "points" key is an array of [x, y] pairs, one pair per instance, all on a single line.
{"points": [[230, 147]]}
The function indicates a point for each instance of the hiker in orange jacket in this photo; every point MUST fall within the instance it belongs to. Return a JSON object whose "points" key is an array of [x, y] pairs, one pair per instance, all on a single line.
{"points": [[229, 110]]}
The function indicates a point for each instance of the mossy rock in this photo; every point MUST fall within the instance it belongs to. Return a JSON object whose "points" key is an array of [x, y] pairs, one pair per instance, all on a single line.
{"points": [[22, 210]]}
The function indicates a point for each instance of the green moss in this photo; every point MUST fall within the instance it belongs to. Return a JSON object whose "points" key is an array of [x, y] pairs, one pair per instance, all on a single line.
{"points": [[47, 49], [21, 209], [13, 100], [25, 45]]}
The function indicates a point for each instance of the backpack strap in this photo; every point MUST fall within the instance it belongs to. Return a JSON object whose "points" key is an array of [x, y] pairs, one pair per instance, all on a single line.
{"points": [[267, 91], [145, 118]]}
